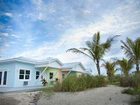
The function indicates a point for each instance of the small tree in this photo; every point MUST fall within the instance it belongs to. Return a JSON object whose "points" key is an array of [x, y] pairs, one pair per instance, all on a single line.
{"points": [[110, 69], [125, 66]]}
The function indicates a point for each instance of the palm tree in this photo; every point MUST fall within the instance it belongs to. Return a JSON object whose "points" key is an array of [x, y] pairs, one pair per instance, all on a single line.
{"points": [[110, 68], [95, 49], [132, 51], [125, 66]]}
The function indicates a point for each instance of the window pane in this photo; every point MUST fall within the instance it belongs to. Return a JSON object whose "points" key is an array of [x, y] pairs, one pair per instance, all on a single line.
{"points": [[21, 76], [37, 76], [0, 77], [27, 71], [27, 76], [37, 72], [51, 75], [21, 71], [5, 78]]}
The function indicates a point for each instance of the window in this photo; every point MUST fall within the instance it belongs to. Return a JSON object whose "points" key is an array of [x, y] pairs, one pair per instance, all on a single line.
{"points": [[0, 77], [37, 74], [63, 75], [24, 74], [5, 77], [51, 75]]}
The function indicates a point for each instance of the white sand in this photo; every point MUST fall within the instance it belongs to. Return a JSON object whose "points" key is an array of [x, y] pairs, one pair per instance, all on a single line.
{"points": [[17, 98], [110, 95]]}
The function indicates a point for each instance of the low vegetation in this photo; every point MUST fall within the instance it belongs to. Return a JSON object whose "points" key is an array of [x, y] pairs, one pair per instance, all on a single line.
{"points": [[133, 82], [73, 83]]}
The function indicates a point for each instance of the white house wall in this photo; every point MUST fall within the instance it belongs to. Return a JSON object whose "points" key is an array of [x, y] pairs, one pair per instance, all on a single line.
{"points": [[10, 68], [32, 81]]}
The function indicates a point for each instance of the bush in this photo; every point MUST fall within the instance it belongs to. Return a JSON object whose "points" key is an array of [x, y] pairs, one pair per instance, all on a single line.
{"points": [[132, 91], [136, 80], [100, 81], [73, 83], [131, 81], [126, 81]]}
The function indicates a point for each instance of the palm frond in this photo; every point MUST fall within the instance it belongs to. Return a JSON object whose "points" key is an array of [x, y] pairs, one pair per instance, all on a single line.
{"points": [[76, 51]]}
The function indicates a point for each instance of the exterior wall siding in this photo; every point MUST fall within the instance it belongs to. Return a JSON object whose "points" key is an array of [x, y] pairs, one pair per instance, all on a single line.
{"points": [[32, 81], [10, 68], [13, 71], [56, 74]]}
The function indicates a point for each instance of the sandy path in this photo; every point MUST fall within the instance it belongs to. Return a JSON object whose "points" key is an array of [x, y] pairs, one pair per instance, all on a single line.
{"points": [[110, 95]]}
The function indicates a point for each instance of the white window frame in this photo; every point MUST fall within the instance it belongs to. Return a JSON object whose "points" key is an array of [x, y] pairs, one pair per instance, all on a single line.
{"points": [[2, 85], [24, 75]]}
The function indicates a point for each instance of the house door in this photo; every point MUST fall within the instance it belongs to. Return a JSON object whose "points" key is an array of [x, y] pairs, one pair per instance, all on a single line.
{"points": [[3, 78]]}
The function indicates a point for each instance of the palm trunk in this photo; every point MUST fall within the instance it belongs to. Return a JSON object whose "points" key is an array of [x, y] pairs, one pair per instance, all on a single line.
{"points": [[137, 67], [98, 67]]}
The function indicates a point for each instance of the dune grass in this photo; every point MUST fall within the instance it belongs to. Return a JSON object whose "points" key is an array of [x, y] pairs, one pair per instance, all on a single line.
{"points": [[73, 83]]}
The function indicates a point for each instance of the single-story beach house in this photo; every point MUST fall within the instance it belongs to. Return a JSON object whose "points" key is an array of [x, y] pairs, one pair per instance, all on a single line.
{"points": [[22, 73]]}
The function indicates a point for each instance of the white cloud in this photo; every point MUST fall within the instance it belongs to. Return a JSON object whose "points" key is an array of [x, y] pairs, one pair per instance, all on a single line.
{"points": [[117, 21], [4, 34], [8, 14]]}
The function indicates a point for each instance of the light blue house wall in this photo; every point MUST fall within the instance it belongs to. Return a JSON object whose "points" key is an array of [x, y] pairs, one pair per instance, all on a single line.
{"points": [[10, 68], [13, 69], [32, 81]]}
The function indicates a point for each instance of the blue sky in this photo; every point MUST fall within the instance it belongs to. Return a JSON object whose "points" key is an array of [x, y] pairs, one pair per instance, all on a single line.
{"points": [[47, 28]]}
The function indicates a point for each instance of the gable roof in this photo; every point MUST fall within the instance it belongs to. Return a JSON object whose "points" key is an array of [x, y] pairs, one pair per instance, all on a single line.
{"points": [[72, 66], [45, 62], [48, 62], [19, 59], [31, 61]]}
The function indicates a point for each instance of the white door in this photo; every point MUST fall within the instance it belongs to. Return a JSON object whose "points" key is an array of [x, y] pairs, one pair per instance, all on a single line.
{"points": [[3, 78]]}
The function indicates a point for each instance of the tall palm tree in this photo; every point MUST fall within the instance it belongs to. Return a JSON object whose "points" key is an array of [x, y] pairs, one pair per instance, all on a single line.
{"points": [[132, 51], [125, 66], [110, 68], [95, 49]]}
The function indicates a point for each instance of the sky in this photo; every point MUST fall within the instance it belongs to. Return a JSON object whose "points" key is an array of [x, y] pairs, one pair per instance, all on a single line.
{"points": [[47, 28]]}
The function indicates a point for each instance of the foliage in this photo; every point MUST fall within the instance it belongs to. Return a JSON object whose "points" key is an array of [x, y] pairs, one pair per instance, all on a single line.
{"points": [[44, 82], [125, 66], [95, 49], [73, 83], [131, 81], [110, 68], [132, 91], [126, 82], [136, 80], [132, 50], [116, 80]]}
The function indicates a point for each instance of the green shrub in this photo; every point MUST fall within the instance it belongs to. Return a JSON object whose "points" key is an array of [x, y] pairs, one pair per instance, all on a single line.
{"points": [[116, 80], [126, 81], [131, 81], [73, 83], [132, 91], [136, 80], [100, 81], [57, 87]]}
